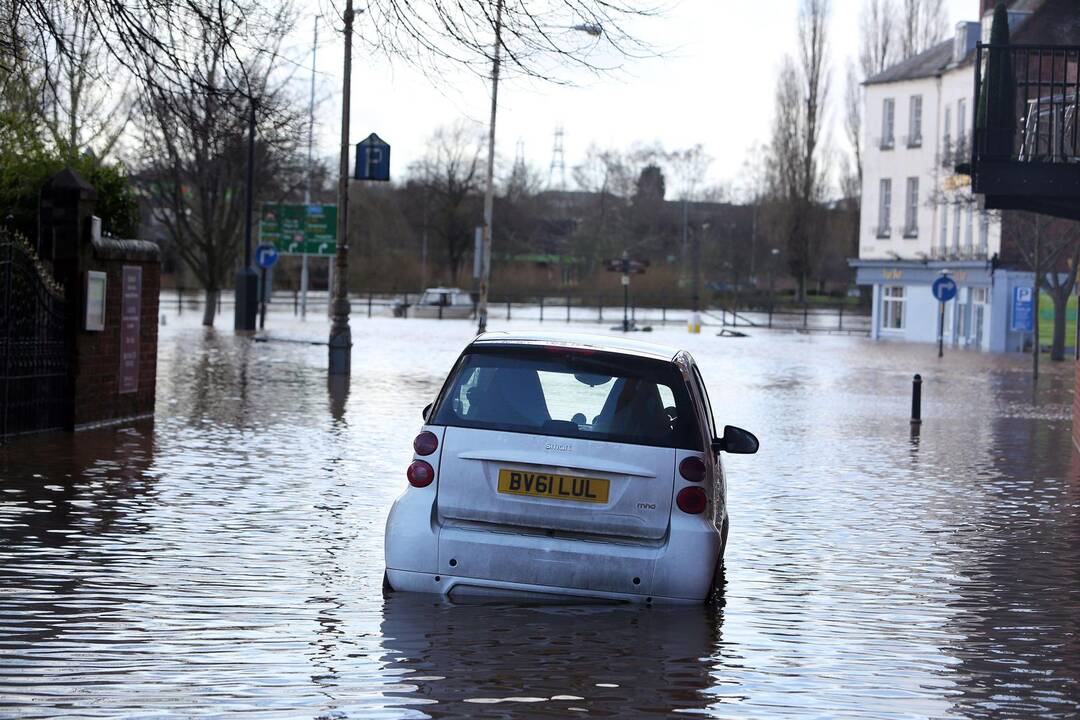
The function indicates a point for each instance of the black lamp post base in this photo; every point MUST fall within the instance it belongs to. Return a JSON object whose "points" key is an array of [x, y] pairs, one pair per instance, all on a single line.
{"points": [[247, 299], [340, 351]]}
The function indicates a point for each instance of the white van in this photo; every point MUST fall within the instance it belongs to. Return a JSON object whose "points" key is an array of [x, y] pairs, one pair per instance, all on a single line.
{"points": [[557, 464]]}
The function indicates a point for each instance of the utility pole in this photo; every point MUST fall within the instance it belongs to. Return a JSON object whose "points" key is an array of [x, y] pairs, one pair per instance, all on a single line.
{"points": [[1035, 300], [246, 307], [489, 191], [695, 315], [340, 336], [307, 188]]}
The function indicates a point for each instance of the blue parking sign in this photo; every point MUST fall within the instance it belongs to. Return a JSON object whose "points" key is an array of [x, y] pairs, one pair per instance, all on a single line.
{"points": [[372, 159], [1023, 309]]}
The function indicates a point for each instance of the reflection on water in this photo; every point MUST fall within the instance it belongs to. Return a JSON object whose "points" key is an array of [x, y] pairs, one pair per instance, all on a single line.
{"points": [[559, 659], [227, 558]]}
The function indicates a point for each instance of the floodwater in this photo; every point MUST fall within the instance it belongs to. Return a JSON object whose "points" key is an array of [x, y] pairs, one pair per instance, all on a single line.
{"points": [[226, 559]]}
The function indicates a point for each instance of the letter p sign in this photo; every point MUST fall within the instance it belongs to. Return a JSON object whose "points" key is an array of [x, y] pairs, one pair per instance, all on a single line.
{"points": [[372, 160]]}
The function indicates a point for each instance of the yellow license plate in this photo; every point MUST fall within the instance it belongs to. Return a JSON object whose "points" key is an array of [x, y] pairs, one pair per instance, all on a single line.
{"points": [[553, 485]]}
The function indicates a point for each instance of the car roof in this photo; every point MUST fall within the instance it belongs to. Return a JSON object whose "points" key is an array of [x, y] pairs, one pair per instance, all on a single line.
{"points": [[619, 345]]}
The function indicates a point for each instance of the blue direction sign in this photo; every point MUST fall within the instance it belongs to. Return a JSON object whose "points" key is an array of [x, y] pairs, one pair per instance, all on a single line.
{"points": [[944, 288], [372, 159], [266, 256], [1023, 309]]}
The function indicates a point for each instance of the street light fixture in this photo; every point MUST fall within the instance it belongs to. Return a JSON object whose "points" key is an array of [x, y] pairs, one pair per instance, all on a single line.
{"points": [[591, 29]]}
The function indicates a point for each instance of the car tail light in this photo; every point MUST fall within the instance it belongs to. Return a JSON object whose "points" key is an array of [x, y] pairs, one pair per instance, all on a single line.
{"points": [[692, 468], [420, 473], [425, 443], [691, 500]]}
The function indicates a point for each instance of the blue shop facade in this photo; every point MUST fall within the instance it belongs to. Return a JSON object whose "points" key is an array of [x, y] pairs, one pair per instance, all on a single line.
{"points": [[991, 310]]}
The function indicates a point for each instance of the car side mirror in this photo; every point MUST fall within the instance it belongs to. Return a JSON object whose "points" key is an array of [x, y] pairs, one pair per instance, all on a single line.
{"points": [[736, 441], [427, 411]]}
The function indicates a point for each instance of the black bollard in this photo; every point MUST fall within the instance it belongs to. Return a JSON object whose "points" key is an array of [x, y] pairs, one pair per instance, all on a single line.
{"points": [[916, 400]]}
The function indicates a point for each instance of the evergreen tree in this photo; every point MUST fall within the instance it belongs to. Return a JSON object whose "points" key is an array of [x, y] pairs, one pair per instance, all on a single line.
{"points": [[997, 108]]}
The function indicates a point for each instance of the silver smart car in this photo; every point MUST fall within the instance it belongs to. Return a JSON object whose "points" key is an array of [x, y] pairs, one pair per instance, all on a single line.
{"points": [[557, 464]]}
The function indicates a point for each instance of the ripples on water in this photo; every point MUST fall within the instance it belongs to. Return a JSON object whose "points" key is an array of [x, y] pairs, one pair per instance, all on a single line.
{"points": [[227, 559]]}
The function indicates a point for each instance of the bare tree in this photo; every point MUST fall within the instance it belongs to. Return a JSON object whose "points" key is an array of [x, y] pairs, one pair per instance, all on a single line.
{"points": [[195, 143], [81, 109], [877, 40], [853, 102], [689, 167], [536, 37], [797, 176], [923, 25], [450, 174]]}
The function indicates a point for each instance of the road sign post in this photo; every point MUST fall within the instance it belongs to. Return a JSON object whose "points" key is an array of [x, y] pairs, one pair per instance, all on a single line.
{"points": [[627, 267], [944, 289], [265, 257]]}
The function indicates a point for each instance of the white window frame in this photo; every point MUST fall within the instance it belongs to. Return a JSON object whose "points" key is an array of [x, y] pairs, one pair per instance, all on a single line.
{"points": [[888, 123], [956, 229], [893, 303], [946, 139], [911, 209], [961, 122], [915, 121], [884, 224], [943, 239], [984, 232], [969, 236]]}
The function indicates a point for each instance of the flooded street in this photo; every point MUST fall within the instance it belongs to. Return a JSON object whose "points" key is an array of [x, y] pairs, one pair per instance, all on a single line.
{"points": [[227, 558]]}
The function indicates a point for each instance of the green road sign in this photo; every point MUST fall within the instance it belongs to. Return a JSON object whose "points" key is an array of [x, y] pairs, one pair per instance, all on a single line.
{"points": [[297, 229]]}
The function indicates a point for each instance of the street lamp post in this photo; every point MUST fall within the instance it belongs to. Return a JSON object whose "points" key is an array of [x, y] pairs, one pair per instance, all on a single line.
{"points": [[340, 343], [489, 191], [245, 308]]}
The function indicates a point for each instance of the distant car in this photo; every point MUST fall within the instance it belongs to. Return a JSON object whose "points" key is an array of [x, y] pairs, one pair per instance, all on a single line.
{"points": [[439, 302], [565, 465]]}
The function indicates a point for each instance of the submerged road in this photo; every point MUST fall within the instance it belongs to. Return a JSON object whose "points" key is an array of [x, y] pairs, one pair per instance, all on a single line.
{"points": [[226, 559]]}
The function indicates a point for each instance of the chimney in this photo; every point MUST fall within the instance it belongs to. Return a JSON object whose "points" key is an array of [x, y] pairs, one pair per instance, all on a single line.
{"points": [[967, 34]]}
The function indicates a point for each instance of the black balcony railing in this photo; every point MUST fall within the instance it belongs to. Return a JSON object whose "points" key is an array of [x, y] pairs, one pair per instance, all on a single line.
{"points": [[1026, 104], [1026, 149]]}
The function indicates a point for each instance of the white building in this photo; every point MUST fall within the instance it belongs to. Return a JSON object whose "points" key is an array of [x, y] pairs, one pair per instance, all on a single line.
{"points": [[919, 218]]}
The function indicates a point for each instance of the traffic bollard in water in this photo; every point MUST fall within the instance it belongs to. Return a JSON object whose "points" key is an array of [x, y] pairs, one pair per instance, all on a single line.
{"points": [[916, 399]]}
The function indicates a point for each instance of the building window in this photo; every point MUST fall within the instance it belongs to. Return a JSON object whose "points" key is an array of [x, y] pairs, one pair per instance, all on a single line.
{"points": [[892, 307], [884, 208], [915, 122], [888, 112], [984, 233], [911, 209], [943, 231], [978, 296], [946, 140], [968, 248], [961, 124], [956, 229]]}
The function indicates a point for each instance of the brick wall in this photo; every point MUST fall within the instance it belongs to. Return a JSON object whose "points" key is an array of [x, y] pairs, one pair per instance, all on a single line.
{"points": [[96, 360]]}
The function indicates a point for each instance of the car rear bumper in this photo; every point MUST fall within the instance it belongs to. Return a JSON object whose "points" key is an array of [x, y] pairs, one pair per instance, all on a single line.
{"points": [[424, 554], [464, 589]]}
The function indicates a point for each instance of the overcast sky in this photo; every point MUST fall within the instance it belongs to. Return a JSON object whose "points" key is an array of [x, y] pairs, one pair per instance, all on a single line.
{"points": [[714, 86]]}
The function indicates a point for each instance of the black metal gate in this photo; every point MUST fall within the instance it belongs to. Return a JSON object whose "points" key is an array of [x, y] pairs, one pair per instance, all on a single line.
{"points": [[34, 354]]}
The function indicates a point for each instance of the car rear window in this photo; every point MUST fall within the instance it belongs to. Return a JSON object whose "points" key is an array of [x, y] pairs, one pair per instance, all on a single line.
{"points": [[568, 393]]}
